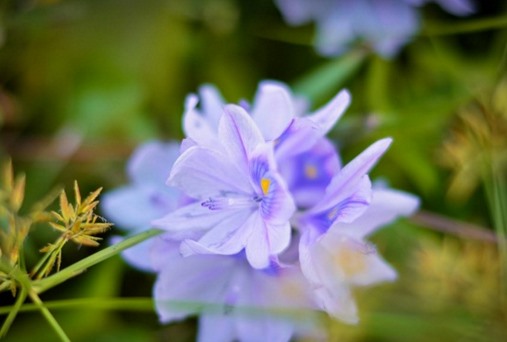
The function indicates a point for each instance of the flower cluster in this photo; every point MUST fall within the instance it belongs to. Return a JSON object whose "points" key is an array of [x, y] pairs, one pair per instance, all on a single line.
{"points": [[385, 25], [261, 220]]}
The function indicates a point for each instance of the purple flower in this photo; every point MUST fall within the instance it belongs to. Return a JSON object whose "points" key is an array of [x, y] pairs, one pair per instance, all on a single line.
{"points": [[134, 206], [386, 25], [279, 115], [340, 258], [235, 301], [242, 201]]}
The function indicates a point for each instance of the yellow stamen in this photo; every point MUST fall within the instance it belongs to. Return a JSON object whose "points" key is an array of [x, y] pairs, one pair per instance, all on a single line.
{"points": [[351, 261], [310, 171], [265, 183]]}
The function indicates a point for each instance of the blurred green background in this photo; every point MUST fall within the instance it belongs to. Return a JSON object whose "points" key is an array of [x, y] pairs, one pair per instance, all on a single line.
{"points": [[83, 82]]}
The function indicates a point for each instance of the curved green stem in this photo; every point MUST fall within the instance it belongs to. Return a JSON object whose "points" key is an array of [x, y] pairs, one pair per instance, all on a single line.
{"points": [[13, 311], [436, 29], [126, 304], [49, 317]]}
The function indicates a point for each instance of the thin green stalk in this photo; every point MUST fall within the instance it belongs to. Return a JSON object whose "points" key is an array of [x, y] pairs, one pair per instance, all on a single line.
{"points": [[437, 29], [124, 304], [13, 311], [42, 285], [49, 317], [497, 197]]}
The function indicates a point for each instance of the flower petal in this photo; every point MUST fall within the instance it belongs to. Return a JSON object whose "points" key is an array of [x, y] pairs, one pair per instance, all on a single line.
{"points": [[201, 172], [183, 282], [212, 105], [325, 118], [273, 110], [213, 328], [197, 126], [151, 162], [134, 207], [352, 174], [239, 134], [137, 256], [228, 237], [386, 206], [192, 221], [258, 248]]}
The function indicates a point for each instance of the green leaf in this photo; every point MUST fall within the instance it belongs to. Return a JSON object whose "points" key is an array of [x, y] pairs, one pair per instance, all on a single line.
{"points": [[324, 81]]}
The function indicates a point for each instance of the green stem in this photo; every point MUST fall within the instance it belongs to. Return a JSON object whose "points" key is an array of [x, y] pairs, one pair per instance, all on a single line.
{"points": [[127, 304], [13, 311], [438, 29], [49, 317], [497, 197], [42, 285]]}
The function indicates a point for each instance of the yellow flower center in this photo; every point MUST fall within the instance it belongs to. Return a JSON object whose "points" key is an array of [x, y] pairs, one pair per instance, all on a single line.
{"points": [[265, 184], [310, 171], [350, 261]]}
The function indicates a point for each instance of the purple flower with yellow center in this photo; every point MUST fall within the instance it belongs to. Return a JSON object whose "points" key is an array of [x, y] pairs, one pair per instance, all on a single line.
{"points": [[385, 25], [279, 115], [242, 202]]}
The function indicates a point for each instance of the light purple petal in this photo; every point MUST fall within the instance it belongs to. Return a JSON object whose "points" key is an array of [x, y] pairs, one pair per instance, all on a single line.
{"points": [[212, 105], [352, 174], [335, 30], [296, 12], [273, 110], [137, 256], [457, 7], [201, 172], [350, 261], [134, 207], [386, 206], [228, 237], [239, 134], [185, 282], [300, 103], [304, 132], [151, 162], [258, 249], [196, 126], [264, 328], [192, 221], [338, 302], [214, 328], [325, 118]]}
